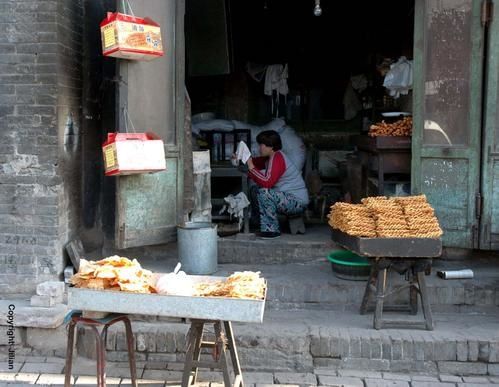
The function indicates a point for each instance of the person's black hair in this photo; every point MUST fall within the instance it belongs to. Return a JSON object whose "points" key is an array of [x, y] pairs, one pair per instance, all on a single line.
{"points": [[270, 138]]}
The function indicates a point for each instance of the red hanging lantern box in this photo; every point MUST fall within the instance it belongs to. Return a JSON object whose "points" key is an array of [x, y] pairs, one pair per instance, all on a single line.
{"points": [[131, 153], [130, 37]]}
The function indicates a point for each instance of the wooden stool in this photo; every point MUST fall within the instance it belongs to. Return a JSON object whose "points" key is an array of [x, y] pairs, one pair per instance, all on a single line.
{"points": [[223, 341], [415, 270], [296, 224], [100, 342]]}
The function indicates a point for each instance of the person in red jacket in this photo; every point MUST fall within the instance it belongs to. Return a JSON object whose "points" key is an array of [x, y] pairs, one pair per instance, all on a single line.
{"points": [[281, 188]]}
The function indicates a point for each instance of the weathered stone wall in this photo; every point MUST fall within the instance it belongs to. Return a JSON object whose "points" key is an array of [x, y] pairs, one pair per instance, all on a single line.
{"points": [[40, 89]]}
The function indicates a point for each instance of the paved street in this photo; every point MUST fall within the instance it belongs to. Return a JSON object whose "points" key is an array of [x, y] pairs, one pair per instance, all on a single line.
{"points": [[49, 371]]}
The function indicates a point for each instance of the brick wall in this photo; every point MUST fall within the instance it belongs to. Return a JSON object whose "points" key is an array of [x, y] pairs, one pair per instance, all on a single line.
{"points": [[69, 91], [40, 88]]}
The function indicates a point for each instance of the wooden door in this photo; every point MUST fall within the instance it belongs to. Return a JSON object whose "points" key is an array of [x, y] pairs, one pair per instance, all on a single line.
{"points": [[448, 61], [489, 230], [151, 94]]}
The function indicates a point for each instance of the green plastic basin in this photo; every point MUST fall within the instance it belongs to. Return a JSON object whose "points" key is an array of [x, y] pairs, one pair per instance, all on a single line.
{"points": [[349, 266]]}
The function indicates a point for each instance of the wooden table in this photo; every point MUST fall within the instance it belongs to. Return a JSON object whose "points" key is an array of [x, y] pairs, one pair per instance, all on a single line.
{"points": [[224, 342], [201, 311], [412, 256], [382, 155], [415, 270]]}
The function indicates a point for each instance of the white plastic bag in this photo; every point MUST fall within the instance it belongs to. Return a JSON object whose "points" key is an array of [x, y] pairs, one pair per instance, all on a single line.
{"points": [[399, 79], [175, 284], [293, 146], [223, 125]]}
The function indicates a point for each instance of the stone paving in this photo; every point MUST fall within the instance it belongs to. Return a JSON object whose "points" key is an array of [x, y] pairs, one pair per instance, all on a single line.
{"points": [[49, 371]]}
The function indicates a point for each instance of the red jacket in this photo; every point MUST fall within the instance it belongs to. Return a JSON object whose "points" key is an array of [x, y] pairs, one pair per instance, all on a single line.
{"points": [[268, 170]]}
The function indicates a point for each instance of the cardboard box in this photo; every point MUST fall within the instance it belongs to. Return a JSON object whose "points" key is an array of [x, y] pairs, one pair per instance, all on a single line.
{"points": [[131, 153], [129, 37]]}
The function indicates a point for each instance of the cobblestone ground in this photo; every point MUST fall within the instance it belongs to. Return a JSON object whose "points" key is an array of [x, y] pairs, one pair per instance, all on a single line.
{"points": [[49, 371]]}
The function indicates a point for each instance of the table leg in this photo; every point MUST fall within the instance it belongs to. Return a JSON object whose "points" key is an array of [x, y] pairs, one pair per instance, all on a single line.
{"points": [[380, 296], [371, 283], [223, 361], [193, 343], [222, 345], [131, 351], [238, 382], [413, 292], [425, 302], [246, 211], [381, 176], [197, 349], [365, 176]]}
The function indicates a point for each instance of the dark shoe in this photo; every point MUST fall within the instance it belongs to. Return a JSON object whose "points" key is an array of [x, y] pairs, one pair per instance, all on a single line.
{"points": [[269, 235]]}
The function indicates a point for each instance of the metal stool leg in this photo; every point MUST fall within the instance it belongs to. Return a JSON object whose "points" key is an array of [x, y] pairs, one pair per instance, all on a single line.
{"points": [[69, 353], [98, 348], [103, 338]]}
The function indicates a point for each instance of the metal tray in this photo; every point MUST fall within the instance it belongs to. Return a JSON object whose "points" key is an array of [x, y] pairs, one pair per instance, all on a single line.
{"points": [[390, 247], [205, 308]]}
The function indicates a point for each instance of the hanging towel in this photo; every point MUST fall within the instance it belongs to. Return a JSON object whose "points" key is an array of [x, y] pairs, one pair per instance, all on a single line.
{"points": [[276, 79]]}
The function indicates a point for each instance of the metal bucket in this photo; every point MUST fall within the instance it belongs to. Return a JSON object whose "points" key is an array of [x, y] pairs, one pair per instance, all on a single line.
{"points": [[197, 247]]}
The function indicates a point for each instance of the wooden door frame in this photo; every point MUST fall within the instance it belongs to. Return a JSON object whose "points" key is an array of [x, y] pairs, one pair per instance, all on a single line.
{"points": [[179, 52]]}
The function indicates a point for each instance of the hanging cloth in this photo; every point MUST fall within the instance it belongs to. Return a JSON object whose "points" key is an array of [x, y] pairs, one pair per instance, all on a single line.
{"points": [[235, 206], [276, 83], [399, 79]]}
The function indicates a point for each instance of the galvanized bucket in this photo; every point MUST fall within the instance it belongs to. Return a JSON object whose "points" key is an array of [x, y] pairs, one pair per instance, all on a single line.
{"points": [[197, 247]]}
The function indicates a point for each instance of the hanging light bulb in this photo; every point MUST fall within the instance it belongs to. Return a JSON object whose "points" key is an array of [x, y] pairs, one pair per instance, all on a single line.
{"points": [[317, 8]]}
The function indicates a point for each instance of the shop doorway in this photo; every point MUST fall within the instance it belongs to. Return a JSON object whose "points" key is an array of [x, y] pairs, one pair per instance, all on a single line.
{"points": [[227, 41]]}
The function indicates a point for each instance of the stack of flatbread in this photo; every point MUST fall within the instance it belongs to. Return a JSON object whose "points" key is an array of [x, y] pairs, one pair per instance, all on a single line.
{"points": [[382, 217], [113, 273], [246, 284]]}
